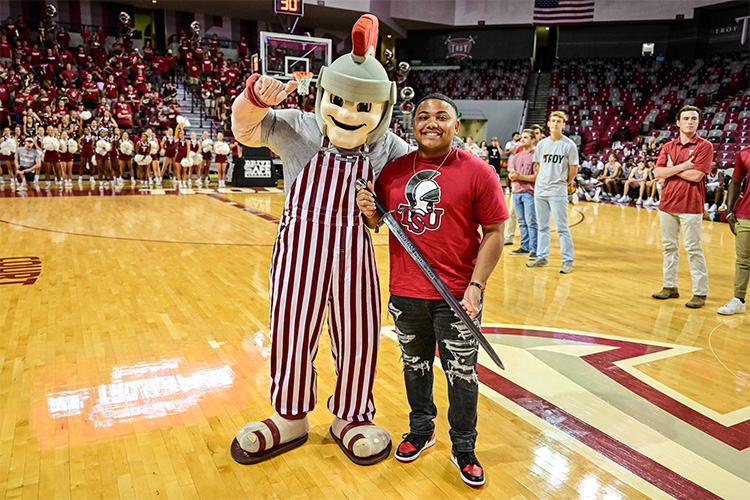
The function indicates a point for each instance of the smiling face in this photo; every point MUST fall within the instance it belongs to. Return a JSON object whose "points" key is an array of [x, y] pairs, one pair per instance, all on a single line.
{"points": [[347, 122], [435, 125]]}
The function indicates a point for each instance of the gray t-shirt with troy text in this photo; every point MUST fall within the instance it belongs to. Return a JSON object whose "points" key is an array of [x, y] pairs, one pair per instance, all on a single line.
{"points": [[294, 136], [555, 159]]}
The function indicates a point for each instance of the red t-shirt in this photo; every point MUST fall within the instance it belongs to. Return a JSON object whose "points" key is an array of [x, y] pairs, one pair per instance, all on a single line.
{"points": [[445, 212], [680, 196], [741, 170]]}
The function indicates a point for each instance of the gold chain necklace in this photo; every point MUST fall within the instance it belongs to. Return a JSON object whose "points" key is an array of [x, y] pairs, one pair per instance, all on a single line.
{"points": [[414, 165]]}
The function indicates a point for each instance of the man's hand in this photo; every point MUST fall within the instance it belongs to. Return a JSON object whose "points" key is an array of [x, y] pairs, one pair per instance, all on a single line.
{"points": [[271, 91], [732, 220], [366, 202], [470, 302], [687, 165], [512, 174]]}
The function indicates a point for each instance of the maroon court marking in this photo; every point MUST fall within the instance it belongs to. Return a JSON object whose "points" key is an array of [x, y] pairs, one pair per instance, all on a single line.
{"points": [[737, 436]]}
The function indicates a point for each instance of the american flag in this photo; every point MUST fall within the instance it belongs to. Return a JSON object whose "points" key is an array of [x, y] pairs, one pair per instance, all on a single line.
{"points": [[559, 12]]}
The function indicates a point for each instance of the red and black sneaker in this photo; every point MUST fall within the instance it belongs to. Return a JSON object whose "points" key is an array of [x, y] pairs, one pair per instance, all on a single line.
{"points": [[412, 446], [471, 470]]}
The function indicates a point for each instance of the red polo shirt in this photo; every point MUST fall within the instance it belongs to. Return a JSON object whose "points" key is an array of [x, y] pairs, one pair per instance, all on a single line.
{"points": [[680, 196], [741, 170]]}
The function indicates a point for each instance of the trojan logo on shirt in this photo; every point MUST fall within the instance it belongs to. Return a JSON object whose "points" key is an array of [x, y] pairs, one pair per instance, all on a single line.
{"points": [[423, 193]]}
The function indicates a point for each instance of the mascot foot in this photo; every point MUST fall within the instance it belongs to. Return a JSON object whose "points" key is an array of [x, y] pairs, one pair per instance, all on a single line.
{"points": [[258, 441], [363, 442]]}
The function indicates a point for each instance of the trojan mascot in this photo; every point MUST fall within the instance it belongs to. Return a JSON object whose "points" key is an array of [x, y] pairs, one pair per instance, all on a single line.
{"points": [[323, 256]]}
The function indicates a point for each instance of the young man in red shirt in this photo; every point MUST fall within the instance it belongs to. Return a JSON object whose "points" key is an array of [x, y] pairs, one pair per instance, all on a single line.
{"points": [[683, 164], [738, 218], [446, 195]]}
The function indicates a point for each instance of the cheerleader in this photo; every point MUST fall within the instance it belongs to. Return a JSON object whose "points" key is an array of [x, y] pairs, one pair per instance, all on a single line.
{"points": [[182, 154], [66, 159], [143, 159], [168, 147], [195, 158], [103, 147], [125, 157], [207, 147], [154, 152], [50, 145], [86, 145], [114, 139], [72, 150], [222, 150], [8, 147]]}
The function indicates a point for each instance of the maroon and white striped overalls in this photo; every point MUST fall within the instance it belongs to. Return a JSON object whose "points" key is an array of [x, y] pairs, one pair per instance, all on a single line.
{"points": [[323, 256]]}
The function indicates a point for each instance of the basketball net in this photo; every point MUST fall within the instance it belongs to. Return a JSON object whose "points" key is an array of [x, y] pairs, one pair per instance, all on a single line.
{"points": [[303, 78]]}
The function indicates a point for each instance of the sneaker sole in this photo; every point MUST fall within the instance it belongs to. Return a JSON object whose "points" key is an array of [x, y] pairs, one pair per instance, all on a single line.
{"points": [[406, 460], [461, 473]]}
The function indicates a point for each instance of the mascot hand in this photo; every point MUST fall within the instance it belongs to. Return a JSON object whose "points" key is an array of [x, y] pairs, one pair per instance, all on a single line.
{"points": [[271, 91]]}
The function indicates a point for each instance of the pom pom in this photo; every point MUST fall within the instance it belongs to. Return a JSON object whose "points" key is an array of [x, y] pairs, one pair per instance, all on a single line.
{"points": [[195, 157], [154, 147], [207, 145], [72, 146], [86, 115], [221, 148], [126, 147], [62, 146], [186, 162]]}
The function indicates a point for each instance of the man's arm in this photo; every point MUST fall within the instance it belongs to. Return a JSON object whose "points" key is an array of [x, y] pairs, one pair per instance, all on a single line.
{"points": [[527, 178], [250, 107], [366, 204], [487, 256], [572, 172]]}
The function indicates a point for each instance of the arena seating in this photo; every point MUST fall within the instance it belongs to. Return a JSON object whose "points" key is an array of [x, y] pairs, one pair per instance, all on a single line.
{"points": [[477, 80]]}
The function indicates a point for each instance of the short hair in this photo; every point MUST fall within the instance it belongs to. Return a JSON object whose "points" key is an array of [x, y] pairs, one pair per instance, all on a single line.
{"points": [[559, 114], [529, 131], [688, 108], [494, 139], [439, 97], [537, 127], [514, 133]]}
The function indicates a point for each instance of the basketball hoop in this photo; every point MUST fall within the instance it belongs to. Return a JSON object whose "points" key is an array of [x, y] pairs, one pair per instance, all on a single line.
{"points": [[304, 78]]}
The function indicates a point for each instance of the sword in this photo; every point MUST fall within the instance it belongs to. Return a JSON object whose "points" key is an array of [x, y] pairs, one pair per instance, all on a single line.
{"points": [[425, 266]]}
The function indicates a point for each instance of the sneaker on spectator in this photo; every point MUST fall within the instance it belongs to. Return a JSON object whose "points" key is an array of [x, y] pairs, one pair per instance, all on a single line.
{"points": [[574, 199], [723, 206], [657, 202], [567, 268], [639, 202], [532, 256], [22, 187], [705, 206], [596, 199], [649, 202], [617, 197], [734, 306], [519, 251], [539, 262], [470, 468], [588, 197], [713, 208], [412, 446]]}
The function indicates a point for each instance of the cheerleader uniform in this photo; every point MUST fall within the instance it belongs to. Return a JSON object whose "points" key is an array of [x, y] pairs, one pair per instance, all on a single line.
{"points": [[195, 146], [220, 158], [50, 156], [122, 156], [114, 141], [105, 156], [143, 148], [181, 150], [170, 147], [206, 154], [66, 156]]}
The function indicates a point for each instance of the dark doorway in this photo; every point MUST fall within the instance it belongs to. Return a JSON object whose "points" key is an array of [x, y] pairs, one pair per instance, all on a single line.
{"points": [[546, 48]]}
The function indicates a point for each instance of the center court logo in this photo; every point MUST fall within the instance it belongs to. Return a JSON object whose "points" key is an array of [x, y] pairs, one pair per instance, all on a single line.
{"points": [[423, 193]]}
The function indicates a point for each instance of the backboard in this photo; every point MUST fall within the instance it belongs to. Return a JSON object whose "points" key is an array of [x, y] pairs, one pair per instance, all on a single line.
{"points": [[282, 54]]}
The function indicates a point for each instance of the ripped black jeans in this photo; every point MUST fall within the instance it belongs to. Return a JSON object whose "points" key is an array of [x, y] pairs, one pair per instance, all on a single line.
{"points": [[420, 324]]}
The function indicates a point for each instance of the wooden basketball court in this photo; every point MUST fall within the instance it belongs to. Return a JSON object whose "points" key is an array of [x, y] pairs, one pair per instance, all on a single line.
{"points": [[134, 342]]}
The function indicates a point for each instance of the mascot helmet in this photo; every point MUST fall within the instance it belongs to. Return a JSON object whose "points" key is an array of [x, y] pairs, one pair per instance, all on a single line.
{"points": [[358, 77]]}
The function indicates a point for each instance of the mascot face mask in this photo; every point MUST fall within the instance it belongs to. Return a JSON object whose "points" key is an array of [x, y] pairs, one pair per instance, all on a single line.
{"points": [[354, 101], [349, 123]]}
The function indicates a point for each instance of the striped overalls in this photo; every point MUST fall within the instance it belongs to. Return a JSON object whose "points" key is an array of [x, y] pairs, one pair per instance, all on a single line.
{"points": [[323, 258]]}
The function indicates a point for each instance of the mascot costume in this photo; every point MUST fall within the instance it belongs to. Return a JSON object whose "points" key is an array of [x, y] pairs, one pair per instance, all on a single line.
{"points": [[323, 255]]}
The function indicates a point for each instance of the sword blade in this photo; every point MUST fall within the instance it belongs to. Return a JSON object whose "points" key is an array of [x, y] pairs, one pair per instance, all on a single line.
{"points": [[433, 276]]}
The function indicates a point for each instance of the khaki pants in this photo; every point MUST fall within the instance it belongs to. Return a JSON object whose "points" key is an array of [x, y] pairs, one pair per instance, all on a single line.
{"points": [[510, 225], [691, 240], [742, 266]]}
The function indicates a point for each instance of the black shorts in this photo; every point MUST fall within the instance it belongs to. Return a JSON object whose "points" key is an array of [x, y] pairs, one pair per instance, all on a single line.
{"points": [[29, 176]]}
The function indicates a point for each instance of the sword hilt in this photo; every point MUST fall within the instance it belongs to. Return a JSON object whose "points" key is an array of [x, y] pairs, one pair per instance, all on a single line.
{"points": [[361, 184]]}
